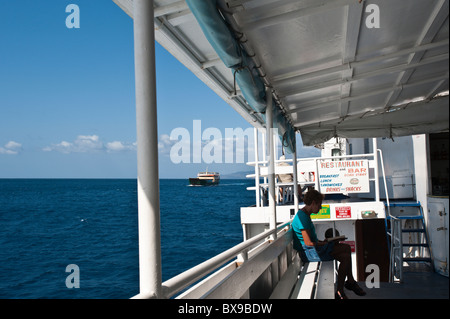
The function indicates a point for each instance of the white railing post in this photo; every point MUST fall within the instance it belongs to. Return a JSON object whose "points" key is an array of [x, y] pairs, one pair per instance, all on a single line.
{"points": [[377, 177], [150, 278], [264, 152], [258, 191], [271, 175], [316, 174], [295, 174]]}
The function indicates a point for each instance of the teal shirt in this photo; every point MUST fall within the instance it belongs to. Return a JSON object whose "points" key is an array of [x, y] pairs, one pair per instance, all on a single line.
{"points": [[302, 221]]}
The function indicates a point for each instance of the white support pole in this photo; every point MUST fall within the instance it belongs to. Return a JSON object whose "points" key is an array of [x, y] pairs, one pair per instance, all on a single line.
{"points": [[258, 191], [377, 176], [275, 142], [295, 174], [150, 278], [316, 175], [271, 175], [275, 156], [264, 143]]}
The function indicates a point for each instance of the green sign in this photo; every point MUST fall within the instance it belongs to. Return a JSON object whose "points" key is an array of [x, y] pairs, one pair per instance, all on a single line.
{"points": [[324, 213]]}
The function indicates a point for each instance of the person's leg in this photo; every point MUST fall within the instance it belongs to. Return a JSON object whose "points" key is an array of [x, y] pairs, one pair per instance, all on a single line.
{"points": [[342, 253]]}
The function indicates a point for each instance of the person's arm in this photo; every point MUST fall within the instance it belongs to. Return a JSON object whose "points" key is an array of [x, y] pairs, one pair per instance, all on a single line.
{"points": [[307, 237], [308, 241]]}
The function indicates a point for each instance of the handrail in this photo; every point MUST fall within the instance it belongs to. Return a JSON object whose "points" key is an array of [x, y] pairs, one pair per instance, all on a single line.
{"points": [[175, 284], [395, 268], [384, 180]]}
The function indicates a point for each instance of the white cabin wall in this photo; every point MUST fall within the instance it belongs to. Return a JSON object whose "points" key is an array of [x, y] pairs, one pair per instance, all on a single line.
{"points": [[398, 159], [398, 156], [422, 170]]}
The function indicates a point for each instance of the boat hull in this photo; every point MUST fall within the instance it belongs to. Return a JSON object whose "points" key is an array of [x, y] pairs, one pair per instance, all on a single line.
{"points": [[203, 182]]}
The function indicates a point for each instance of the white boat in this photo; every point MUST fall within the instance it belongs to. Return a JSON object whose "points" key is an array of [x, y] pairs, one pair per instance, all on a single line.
{"points": [[366, 72]]}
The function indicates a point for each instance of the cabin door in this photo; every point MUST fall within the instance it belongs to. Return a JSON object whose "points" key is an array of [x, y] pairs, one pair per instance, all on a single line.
{"points": [[371, 248]]}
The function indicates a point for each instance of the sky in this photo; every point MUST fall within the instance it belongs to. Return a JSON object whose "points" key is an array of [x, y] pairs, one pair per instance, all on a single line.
{"points": [[67, 97]]}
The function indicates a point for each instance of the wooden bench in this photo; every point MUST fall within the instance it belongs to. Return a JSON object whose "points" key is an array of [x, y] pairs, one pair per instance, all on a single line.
{"points": [[313, 280]]}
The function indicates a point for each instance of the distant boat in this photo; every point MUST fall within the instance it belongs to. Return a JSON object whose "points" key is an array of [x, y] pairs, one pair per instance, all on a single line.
{"points": [[205, 179]]}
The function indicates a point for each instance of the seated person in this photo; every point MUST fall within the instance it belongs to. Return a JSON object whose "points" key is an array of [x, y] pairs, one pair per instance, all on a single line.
{"points": [[312, 250]]}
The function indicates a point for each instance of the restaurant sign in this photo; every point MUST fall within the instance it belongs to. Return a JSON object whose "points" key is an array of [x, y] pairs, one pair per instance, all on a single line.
{"points": [[350, 176]]}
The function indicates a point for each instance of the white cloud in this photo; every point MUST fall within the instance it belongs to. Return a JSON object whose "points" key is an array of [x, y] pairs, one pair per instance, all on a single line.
{"points": [[82, 144], [11, 148], [165, 144], [118, 146], [89, 144]]}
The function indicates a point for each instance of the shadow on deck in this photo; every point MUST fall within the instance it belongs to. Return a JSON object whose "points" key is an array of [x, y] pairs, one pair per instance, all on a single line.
{"points": [[419, 283]]}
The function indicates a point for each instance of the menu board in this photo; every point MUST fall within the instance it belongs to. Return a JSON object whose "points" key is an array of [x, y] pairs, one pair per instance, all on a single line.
{"points": [[351, 176]]}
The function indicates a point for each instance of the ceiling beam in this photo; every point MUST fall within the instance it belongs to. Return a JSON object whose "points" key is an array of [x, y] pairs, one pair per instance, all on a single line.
{"points": [[354, 17], [277, 18], [280, 81], [375, 71], [379, 91], [432, 27]]}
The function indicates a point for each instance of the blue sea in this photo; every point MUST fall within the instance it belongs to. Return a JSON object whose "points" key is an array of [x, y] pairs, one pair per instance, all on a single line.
{"points": [[48, 224]]}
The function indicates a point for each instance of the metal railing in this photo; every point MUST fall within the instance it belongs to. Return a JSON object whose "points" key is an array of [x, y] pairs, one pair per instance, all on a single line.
{"points": [[396, 258], [176, 284]]}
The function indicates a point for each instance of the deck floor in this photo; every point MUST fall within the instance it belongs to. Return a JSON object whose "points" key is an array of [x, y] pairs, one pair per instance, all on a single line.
{"points": [[417, 284]]}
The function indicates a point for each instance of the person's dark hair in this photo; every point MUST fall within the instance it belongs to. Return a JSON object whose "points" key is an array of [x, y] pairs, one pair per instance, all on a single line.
{"points": [[313, 196]]}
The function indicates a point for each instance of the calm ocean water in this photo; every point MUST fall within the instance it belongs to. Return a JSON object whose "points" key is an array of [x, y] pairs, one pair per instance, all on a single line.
{"points": [[47, 224]]}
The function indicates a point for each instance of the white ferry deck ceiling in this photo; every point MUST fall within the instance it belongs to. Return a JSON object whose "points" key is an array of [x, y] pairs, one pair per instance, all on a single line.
{"points": [[345, 68]]}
